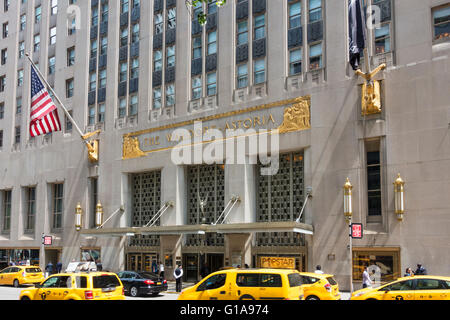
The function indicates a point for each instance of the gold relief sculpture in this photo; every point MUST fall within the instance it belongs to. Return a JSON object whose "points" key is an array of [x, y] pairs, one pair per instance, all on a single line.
{"points": [[296, 118], [131, 148], [370, 92]]}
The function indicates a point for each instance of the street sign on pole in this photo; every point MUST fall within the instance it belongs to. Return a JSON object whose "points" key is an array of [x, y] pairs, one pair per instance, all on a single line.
{"points": [[47, 240], [357, 231]]}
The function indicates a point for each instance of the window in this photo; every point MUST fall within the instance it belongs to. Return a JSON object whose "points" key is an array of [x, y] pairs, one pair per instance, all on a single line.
{"points": [[135, 33], [158, 23], [92, 81], [123, 71], [102, 79], [259, 71], [211, 84], [383, 39], [54, 7], [19, 78], [58, 194], [196, 87], [400, 286], [36, 42], [170, 95], [4, 56], [93, 199], [157, 60], [171, 56], [1, 139], [68, 122], [157, 102], [373, 162], [315, 56], [7, 195], [23, 22], [295, 61], [21, 49], [134, 104], [94, 47], [134, 72], [17, 135], [104, 9], [101, 113], [19, 105], [51, 65], [270, 280], [315, 10], [430, 284], [69, 88], [213, 282], [242, 76], [2, 84], [52, 35], [37, 14], [385, 260], [212, 42], [124, 37], [6, 5], [242, 32], [31, 208], [441, 23], [2, 110], [91, 115], [122, 107], [5, 30], [171, 18], [94, 16], [124, 6], [196, 47], [295, 11], [103, 45], [247, 279], [72, 29], [71, 56], [259, 31]]}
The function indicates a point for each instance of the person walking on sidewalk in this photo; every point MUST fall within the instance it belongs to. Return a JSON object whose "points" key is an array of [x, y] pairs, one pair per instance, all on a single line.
{"points": [[318, 269], [161, 270], [178, 274], [367, 283]]}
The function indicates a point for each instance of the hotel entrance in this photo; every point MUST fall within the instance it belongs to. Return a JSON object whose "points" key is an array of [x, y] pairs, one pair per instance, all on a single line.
{"points": [[193, 263], [143, 262]]}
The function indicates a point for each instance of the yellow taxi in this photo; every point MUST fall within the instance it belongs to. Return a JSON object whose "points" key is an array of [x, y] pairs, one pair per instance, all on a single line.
{"points": [[247, 284], [20, 275], [318, 286], [408, 288], [77, 286]]}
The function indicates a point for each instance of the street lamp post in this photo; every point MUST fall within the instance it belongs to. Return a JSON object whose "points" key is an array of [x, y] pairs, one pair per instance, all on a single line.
{"points": [[348, 212]]}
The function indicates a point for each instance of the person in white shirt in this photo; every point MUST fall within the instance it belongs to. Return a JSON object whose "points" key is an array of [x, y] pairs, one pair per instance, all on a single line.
{"points": [[178, 274], [161, 270], [318, 269], [367, 283]]}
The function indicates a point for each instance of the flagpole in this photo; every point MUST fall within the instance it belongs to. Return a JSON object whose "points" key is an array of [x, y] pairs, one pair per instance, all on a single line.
{"points": [[57, 98]]}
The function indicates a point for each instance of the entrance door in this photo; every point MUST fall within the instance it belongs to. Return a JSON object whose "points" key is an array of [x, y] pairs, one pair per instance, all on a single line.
{"points": [[215, 261], [135, 262], [190, 265], [150, 262]]}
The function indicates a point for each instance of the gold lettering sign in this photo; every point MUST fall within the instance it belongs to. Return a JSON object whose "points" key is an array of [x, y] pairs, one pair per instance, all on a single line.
{"points": [[277, 262]]}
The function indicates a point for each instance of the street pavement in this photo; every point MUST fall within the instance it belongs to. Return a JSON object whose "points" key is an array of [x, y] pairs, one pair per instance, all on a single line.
{"points": [[11, 293]]}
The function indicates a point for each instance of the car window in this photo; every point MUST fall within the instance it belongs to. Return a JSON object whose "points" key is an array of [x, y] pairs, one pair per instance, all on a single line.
{"points": [[270, 280], [447, 283], [6, 270], [213, 282], [331, 281], [429, 284], [58, 282], [399, 286], [105, 281], [247, 279], [33, 270], [14, 270], [309, 280], [81, 282], [295, 280], [121, 274], [149, 275], [132, 275]]}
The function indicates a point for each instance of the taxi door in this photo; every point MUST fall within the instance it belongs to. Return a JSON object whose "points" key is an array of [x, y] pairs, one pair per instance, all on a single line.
{"points": [[214, 288], [271, 287], [402, 290], [431, 289], [55, 288], [4, 276]]}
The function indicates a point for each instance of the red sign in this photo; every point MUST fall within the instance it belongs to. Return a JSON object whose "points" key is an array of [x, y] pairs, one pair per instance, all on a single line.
{"points": [[357, 230], [47, 240]]}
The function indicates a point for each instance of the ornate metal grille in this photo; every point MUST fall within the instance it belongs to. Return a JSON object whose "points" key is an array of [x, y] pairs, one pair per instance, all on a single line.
{"points": [[146, 190], [280, 198], [205, 201]]}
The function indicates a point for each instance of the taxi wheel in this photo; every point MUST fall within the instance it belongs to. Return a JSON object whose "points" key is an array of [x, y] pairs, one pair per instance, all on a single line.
{"points": [[16, 283], [311, 298], [24, 298], [133, 292], [246, 297]]}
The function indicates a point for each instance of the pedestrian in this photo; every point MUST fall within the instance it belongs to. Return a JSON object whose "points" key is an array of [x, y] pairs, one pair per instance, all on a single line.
{"points": [[246, 266], [420, 270], [367, 283], [161, 270], [58, 267], [99, 265], [318, 269], [178, 274], [49, 269], [204, 271], [154, 267], [408, 272]]}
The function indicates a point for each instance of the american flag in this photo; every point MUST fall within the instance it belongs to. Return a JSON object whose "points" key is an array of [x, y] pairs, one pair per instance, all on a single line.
{"points": [[44, 115]]}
